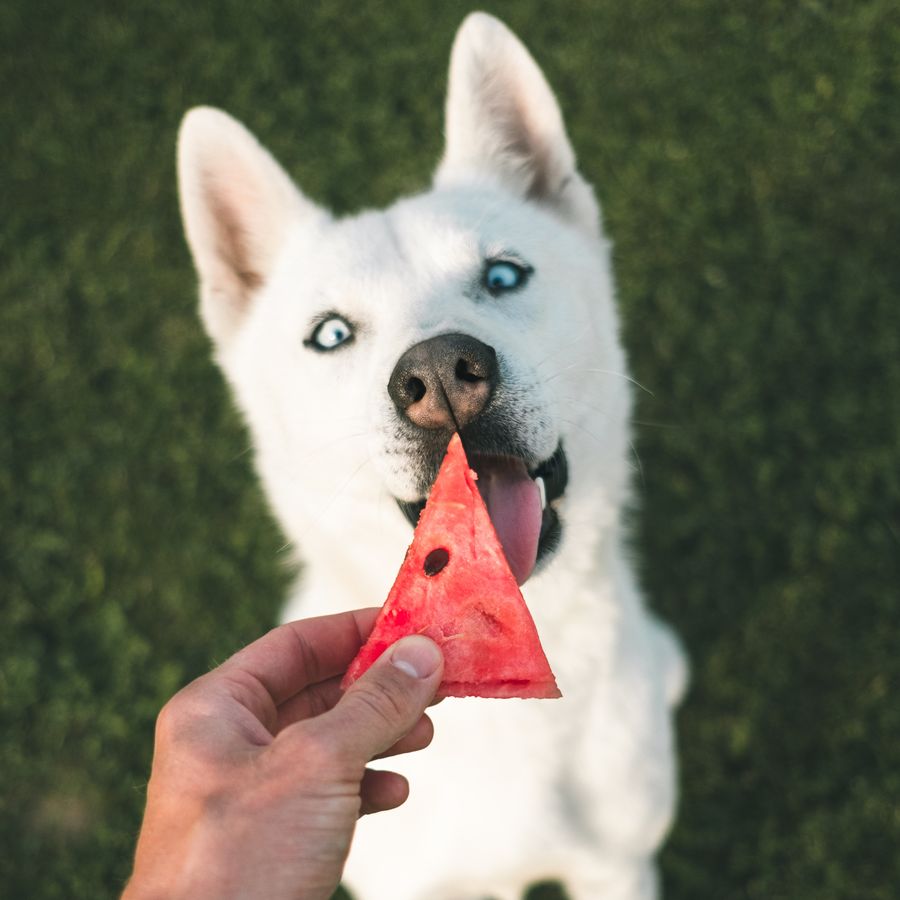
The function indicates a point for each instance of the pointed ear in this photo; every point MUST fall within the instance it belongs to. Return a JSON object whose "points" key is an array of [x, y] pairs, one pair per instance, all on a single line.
{"points": [[503, 120], [237, 204]]}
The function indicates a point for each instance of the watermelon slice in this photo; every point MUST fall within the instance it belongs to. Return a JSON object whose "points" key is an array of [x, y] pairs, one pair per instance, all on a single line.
{"points": [[456, 587]]}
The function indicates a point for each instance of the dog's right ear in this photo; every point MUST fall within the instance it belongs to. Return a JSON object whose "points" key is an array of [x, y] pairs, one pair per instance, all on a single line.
{"points": [[502, 120], [238, 205]]}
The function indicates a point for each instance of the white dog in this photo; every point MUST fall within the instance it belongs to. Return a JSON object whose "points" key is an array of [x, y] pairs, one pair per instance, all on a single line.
{"points": [[354, 346]]}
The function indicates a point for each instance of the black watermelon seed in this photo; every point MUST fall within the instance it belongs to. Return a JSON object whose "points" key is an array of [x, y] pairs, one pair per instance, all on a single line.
{"points": [[436, 560]]}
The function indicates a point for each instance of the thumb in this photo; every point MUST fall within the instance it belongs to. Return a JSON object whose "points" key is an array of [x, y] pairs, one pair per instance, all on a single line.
{"points": [[383, 705]]}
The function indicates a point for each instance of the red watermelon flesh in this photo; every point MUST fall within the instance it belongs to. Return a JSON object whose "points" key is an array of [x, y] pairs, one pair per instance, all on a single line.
{"points": [[456, 587]]}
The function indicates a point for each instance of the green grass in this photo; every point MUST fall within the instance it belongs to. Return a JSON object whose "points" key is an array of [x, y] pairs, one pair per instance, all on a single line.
{"points": [[748, 158]]}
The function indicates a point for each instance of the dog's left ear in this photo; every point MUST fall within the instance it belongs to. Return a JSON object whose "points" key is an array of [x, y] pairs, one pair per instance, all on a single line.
{"points": [[502, 119]]}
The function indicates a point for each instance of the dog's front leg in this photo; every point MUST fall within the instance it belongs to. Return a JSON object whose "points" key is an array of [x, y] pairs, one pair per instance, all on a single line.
{"points": [[620, 783]]}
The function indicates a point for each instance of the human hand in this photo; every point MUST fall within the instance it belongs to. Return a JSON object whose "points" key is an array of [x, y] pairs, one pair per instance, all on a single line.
{"points": [[259, 770]]}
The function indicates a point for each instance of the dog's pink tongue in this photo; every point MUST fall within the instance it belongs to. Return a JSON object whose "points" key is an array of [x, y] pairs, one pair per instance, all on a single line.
{"points": [[514, 504]]}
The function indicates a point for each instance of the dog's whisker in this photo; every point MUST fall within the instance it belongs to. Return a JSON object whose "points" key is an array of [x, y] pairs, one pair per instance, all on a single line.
{"points": [[327, 445], [589, 407], [624, 375], [643, 423], [330, 422], [595, 371], [561, 371], [560, 350], [242, 453], [640, 465], [331, 501], [581, 427]]}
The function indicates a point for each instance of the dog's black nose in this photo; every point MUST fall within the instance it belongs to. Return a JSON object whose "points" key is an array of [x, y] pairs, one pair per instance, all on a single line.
{"points": [[444, 382]]}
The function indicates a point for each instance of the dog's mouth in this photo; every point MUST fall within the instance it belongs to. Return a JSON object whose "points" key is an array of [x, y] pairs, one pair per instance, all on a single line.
{"points": [[521, 503]]}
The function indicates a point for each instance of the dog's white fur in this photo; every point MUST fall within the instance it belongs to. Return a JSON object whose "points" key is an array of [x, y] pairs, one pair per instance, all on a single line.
{"points": [[582, 788]]}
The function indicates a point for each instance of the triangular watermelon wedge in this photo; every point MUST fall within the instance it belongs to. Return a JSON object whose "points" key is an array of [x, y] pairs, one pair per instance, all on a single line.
{"points": [[455, 587]]}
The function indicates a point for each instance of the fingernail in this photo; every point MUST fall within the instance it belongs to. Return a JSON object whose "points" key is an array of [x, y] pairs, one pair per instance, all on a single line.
{"points": [[416, 655]]}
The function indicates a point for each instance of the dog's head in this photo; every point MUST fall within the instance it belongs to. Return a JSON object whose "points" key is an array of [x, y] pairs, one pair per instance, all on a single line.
{"points": [[357, 346]]}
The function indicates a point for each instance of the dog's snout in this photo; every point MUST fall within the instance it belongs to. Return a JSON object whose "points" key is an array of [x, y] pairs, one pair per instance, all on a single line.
{"points": [[444, 382]]}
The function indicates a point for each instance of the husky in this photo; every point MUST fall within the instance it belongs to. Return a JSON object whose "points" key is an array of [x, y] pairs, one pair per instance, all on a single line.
{"points": [[355, 347]]}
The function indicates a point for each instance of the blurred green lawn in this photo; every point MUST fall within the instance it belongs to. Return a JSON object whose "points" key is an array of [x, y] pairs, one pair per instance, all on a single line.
{"points": [[748, 158]]}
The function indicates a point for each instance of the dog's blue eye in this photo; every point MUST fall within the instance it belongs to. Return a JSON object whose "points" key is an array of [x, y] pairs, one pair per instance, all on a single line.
{"points": [[331, 333], [504, 276]]}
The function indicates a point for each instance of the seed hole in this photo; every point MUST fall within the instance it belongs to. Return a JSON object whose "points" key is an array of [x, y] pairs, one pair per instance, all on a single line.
{"points": [[436, 560]]}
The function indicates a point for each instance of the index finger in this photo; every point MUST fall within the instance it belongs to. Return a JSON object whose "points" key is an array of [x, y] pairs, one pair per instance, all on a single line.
{"points": [[295, 655]]}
